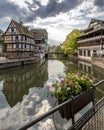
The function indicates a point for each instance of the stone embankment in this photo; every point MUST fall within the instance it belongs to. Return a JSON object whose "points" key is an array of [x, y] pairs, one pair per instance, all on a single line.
{"points": [[7, 63]]}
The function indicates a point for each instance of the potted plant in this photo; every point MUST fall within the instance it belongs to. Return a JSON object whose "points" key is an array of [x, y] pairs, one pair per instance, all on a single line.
{"points": [[71, 85]]}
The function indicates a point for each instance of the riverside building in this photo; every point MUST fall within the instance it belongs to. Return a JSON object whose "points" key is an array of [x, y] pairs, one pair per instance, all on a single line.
{"points": [[91, 41], [18, 42]]}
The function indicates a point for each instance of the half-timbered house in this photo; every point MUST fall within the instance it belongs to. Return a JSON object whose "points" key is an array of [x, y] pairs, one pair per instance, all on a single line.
{"points": [[40, 37], [18, 42], [91, 42]]}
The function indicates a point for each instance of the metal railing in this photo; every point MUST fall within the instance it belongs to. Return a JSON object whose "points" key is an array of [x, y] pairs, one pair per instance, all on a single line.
{"points": [[97, 120], [73, 110], [87, 116]]}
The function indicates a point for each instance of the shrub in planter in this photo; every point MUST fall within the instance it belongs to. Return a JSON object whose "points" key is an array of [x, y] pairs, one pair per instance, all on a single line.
{"points": [[70, 85]]}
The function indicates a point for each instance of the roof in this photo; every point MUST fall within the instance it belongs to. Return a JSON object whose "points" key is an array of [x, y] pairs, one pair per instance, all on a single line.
{"points": [[39, 34], [92, 25], [22, 29], [96, 20], [93, 28]]}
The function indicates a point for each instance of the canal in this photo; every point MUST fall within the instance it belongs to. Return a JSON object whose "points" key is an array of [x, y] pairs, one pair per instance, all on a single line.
{"points": [[23, 95]]}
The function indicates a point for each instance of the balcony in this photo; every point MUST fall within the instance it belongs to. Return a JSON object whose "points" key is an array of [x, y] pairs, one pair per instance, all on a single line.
{"points": [[90, 39], [19, 41], [20, 49]]}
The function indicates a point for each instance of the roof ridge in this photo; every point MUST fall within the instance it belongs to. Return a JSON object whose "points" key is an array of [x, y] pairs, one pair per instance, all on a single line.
{"points": [[23, 29]]}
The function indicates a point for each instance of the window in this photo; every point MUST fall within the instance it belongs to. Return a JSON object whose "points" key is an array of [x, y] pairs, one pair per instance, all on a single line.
{"points": [[28, 46], [19, 45], [19, 37], [16, 37], [84, 53], [9, 30], [7, 37], [28, 39], [23, 46], [8, 46], [12, 29], [14, 46], [25, 38], [80, 53], [94, 52], [89, 53], [13, 37]]}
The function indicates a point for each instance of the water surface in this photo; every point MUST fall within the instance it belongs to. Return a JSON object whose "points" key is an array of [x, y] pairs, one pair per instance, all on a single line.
{"points": [[23, 95]]}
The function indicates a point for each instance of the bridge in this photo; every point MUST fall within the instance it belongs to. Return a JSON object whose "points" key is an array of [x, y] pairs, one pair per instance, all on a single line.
{"points": [[55, 54]]}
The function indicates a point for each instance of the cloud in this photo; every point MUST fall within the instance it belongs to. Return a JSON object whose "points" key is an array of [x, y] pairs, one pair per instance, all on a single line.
{"points": [[52, 8], [59, 17], [12, 10], [99, 3], [7, 8]]}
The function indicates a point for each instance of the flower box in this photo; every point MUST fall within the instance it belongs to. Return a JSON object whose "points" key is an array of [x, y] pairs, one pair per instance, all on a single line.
{"points": [[76, 86], [77, 103]]}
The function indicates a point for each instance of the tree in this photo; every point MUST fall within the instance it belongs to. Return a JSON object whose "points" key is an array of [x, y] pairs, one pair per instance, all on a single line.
{"points": [[70, 44], [58, 49], [1, 36]]}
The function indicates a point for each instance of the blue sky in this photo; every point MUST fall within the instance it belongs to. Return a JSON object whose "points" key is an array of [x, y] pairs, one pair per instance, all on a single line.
{"points": [[59, 17]]}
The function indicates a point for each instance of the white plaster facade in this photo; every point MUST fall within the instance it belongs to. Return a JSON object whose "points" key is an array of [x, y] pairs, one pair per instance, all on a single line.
{"points": [[91, 42]]}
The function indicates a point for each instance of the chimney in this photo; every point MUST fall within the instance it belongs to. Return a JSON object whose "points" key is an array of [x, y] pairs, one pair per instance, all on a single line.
{"points": [[21, 23]]}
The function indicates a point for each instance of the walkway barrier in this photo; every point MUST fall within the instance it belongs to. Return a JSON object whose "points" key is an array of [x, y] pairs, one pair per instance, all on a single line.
{"points": [[87, 116], [73, 106]]}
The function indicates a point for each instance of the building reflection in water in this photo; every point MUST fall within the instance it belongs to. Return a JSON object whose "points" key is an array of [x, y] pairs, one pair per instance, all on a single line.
{"points": [[18, 81], [85, 66], [97, 73]]}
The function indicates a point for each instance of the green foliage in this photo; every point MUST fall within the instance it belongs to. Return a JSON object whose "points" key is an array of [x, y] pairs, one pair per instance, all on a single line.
{"points": [[1, 37], [70, 44], [70, 85], [58, 49]]}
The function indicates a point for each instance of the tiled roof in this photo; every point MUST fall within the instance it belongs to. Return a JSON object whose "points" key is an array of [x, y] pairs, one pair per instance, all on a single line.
{"points": [[39, 34], [22, 29], [93, 28], [96, 20]]}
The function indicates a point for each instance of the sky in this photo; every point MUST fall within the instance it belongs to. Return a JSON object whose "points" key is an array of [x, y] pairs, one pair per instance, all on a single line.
{"points": [[58, 17]]}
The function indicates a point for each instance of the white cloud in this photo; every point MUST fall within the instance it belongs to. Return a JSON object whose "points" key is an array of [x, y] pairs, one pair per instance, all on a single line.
{"points": [[44, 2], [20, 3], [96, 13], [60, 25]]}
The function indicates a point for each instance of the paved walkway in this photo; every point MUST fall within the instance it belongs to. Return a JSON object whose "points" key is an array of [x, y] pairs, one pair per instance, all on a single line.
{"points": [[96, 122], [98, 62]]}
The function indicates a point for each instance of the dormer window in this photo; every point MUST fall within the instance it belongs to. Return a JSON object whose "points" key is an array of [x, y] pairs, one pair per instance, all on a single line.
{"points": [[12, 29]]}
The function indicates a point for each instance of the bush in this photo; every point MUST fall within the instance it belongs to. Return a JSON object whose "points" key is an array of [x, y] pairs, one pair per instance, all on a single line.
{"points": [[70, 85]]}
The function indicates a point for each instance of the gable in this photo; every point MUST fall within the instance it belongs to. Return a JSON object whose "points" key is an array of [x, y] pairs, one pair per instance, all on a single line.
{"points": [[12, 29], [95, 22]]}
